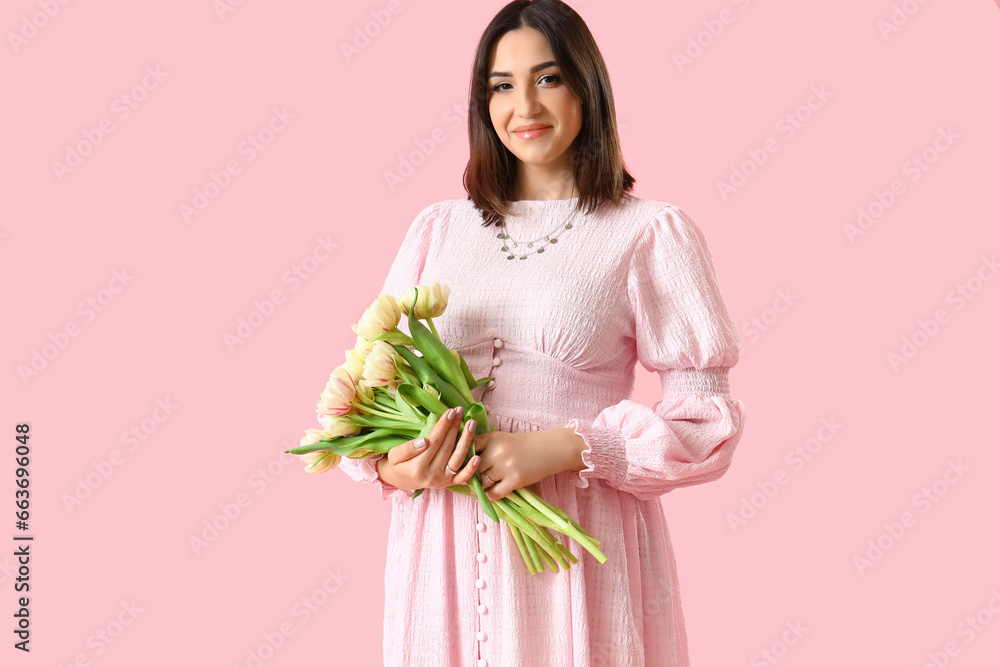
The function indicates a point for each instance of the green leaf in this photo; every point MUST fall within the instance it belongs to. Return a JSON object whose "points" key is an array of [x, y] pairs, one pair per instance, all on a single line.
{"points": [[436, 353], [424, 398]]}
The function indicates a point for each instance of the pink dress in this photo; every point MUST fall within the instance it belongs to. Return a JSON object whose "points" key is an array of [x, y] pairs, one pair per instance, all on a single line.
{"points": [[561, 331]]}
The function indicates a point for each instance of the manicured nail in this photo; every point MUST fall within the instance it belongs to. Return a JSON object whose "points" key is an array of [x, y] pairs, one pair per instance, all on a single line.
{"points": [[448, 414], [421, 443], [470, 426], [459, 411], [475, 461]]}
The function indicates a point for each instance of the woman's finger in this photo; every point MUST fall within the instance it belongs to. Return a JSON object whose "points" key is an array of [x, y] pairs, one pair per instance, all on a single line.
{"points": [[408, 450], [466, 473], [435, 437], [446, 444], [462, 445], [498, 490]]}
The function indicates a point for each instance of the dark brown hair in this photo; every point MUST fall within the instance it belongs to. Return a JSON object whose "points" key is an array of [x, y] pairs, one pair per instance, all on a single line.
{"points": [[598, 168]]}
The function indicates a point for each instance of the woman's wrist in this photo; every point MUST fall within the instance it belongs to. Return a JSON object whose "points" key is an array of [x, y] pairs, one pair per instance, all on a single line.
{"points": [[378, 470], [575, 446], [568, 445]]}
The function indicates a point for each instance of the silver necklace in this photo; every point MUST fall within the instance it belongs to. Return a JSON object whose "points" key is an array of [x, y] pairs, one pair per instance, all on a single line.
{"points": [[513, 246]]}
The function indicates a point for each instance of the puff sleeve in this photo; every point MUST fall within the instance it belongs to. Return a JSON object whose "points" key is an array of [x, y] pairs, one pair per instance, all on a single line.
{"points": [[684, 333], [403, 274]]}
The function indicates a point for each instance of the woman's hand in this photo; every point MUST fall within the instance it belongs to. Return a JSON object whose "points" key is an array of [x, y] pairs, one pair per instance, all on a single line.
{"points": [[514, 460], [410, 467]]}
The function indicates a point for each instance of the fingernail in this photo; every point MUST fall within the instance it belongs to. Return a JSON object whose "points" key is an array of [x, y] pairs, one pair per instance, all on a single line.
{"points": [[420, 443], [459, 411], [450, 414], [470, 426], [475, 461]]}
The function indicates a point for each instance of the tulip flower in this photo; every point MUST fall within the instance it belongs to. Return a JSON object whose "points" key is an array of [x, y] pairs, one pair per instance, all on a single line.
{"points": [[320, 461], [339, 393], [380, 365], [354, 364], [431, 301], [339, 426], [381, 317]]}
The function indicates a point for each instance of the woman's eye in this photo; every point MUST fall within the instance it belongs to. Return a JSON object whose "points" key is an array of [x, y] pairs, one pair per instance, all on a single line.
{"points": [[555, 79]]}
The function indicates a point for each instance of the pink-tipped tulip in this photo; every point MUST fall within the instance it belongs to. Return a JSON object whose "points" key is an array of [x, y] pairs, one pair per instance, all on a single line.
{"points": [[431, 300], [382, 316], [338, 395], [380, 365], [320, 461]]}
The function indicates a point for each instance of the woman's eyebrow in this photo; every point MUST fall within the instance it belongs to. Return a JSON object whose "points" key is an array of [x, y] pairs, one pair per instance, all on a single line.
{"points": [[531, 71]]}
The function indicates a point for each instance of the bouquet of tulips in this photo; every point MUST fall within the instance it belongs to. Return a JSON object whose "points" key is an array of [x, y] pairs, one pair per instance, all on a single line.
{"points": [[393, 388]]}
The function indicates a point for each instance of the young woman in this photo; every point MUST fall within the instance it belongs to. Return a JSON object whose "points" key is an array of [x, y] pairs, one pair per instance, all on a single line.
{"points": [[560, 282]]}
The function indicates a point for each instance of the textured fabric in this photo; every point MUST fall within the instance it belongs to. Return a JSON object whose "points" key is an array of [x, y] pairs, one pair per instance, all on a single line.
{"points": [[561, 332]]}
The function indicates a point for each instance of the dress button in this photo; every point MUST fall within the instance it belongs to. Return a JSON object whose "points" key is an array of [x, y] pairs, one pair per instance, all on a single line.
{"points": [[483, 663], [481, 527], [480, 583], [497, 361], [482, 609], [481, 557], [481, 636], [491, 384], [497, 343]]}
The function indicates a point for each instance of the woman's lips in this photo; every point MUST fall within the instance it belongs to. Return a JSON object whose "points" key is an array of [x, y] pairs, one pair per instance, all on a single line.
{"points": [[532, 134]]}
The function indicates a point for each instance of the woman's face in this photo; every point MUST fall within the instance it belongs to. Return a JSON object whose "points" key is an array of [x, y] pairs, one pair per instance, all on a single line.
{"points": [[523, 97]]}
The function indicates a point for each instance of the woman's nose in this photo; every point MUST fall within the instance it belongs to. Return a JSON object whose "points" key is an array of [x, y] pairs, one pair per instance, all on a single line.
{"points": [[527, 102]]}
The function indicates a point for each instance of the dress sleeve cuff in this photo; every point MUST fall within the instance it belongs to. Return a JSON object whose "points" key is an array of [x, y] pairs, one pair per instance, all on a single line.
{"points": [[604, 455], [366, 471]]}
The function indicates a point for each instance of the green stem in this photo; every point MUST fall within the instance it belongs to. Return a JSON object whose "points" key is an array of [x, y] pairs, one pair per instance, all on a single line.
{"points": [[516, 533], [366, 410], [541, 535]]}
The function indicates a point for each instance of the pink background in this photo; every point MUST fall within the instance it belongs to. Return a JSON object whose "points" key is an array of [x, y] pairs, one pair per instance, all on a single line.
{"points": [[822, 353]]}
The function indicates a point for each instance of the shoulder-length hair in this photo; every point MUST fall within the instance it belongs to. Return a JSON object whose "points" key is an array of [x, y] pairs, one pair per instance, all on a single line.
{"points": [[599, 171]]}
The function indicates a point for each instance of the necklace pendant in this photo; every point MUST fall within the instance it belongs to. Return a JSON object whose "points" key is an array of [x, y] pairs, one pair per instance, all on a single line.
{"points": [[501, 235], [510, 256], [531, 244], [569, 225], [540, 250], [553, 240], [504, 249]]}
